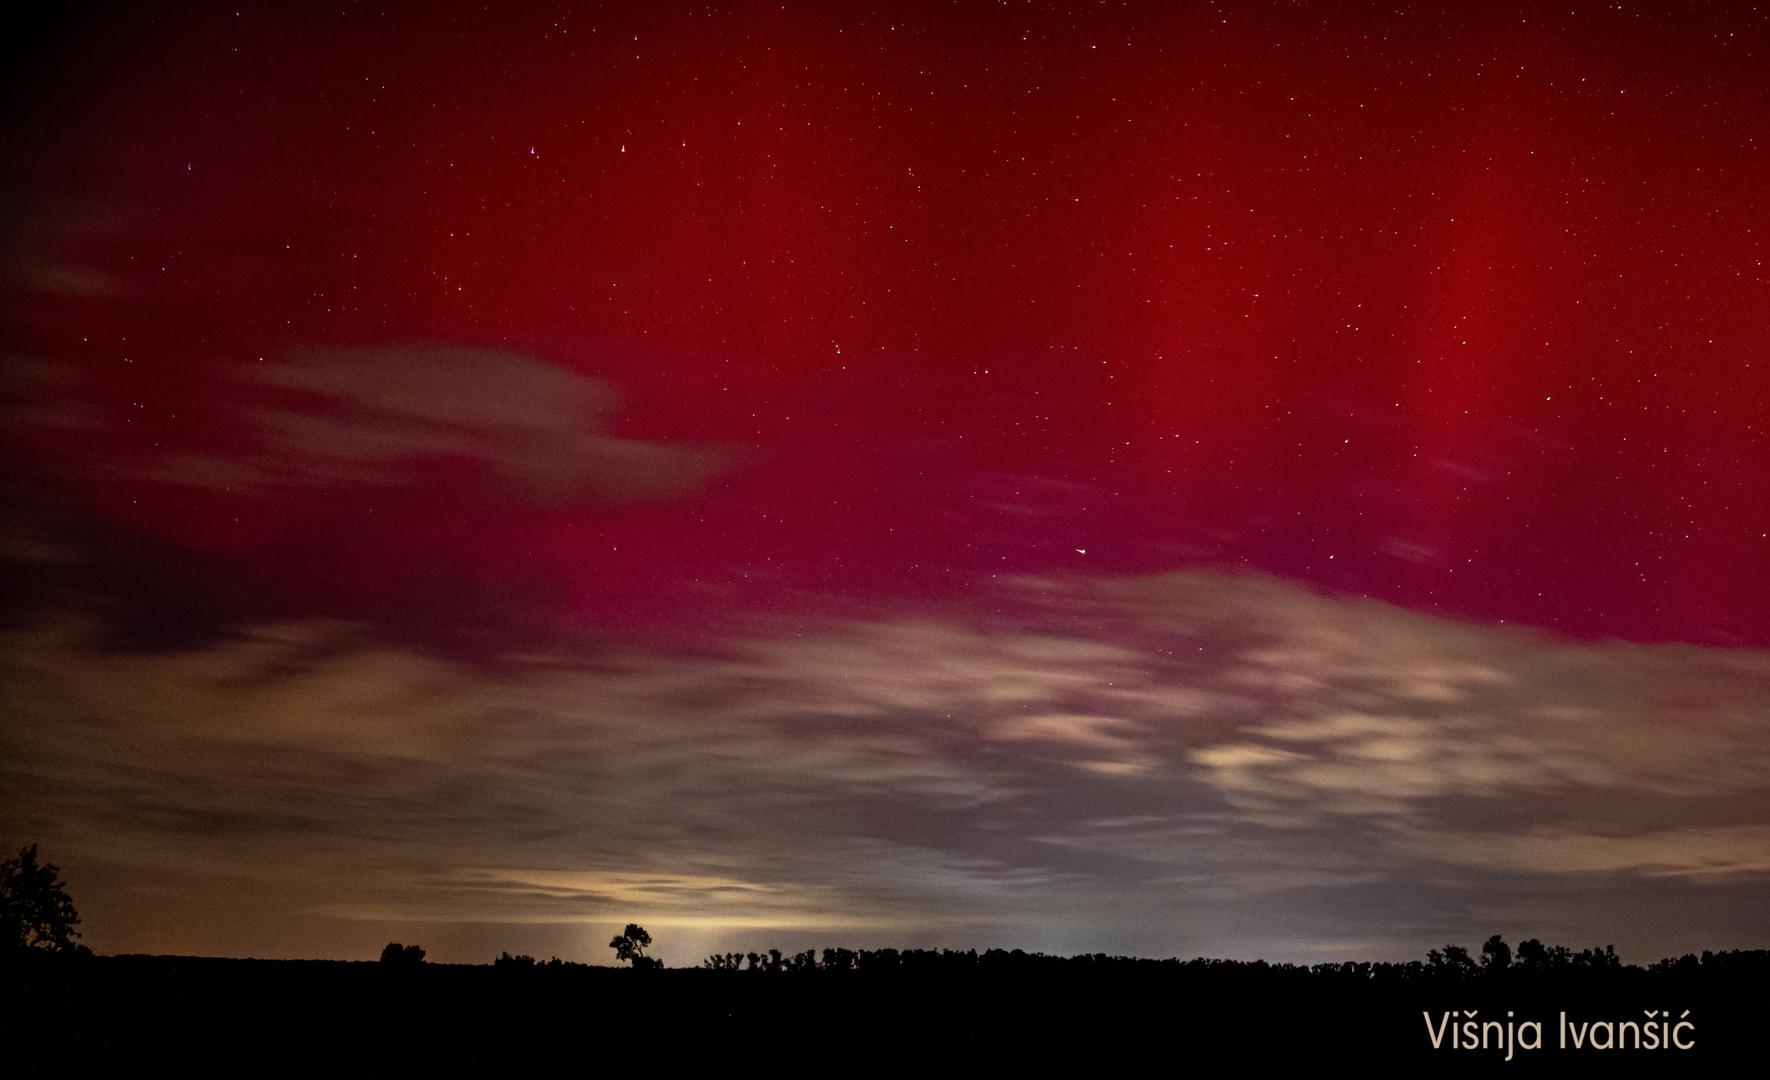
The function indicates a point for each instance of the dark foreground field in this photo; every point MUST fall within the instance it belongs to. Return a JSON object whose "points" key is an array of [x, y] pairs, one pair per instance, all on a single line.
{"points": [[90, 1015]]}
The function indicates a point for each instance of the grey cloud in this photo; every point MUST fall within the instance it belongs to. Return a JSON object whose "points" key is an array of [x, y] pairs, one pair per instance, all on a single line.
{"points": [[1698, 853]]}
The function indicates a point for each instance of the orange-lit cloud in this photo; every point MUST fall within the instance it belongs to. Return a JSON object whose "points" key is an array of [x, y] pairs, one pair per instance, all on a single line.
{"points": [[926, 776]]}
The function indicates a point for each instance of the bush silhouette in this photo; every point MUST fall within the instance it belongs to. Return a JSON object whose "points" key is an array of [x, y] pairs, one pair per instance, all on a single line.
{"points": [[397, 955]]}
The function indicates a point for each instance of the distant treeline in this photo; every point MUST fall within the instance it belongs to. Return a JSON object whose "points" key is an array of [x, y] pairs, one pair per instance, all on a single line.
{"points": [[1452, 961], [1448, 962]]}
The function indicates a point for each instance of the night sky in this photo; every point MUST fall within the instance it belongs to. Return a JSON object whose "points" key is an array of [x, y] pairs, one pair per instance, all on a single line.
{"points": [[1284, 480]]}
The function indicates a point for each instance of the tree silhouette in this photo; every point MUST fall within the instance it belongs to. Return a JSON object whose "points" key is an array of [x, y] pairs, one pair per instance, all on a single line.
{"points": [[1532, 953], [1496, 955], [35, 909], [629, 946]]}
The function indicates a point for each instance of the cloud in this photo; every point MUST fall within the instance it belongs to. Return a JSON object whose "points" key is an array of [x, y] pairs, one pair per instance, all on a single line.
{"points": [[435, 491], [41, 249], [362, 417], [1107, 744], [1369, 709], [1199, 762], [1701, 853], [326, 420]]}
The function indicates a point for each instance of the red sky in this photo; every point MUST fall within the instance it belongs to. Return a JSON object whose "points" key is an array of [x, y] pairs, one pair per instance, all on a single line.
{"points": [[670, 327]]}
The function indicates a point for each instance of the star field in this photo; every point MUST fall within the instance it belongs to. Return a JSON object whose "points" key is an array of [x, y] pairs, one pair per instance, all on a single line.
{"points": [[581, 346]]}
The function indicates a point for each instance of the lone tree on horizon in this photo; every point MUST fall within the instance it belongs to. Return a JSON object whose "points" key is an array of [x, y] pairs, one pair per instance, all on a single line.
{"points": [[629, 946], [36, 912]]}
